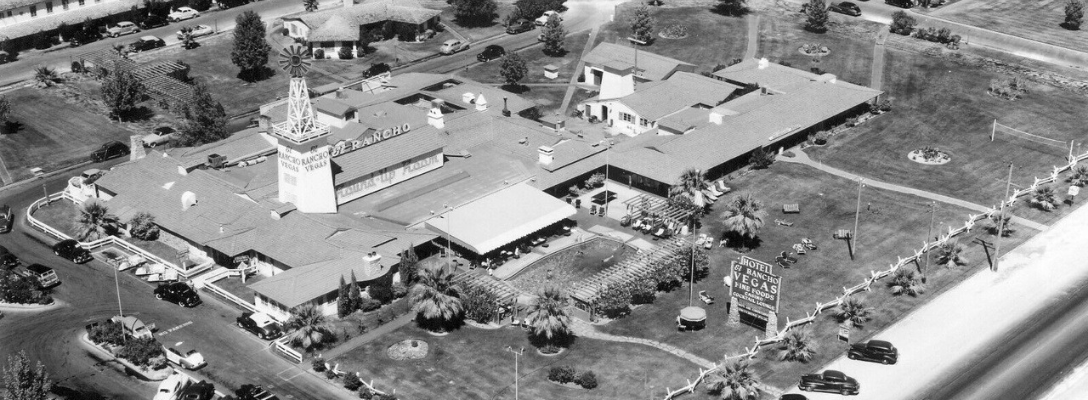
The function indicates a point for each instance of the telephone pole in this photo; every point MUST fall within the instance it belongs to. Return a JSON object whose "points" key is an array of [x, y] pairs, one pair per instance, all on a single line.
{"points": [[1001, 221], [857, 215], [932, 212], [517, 353]]}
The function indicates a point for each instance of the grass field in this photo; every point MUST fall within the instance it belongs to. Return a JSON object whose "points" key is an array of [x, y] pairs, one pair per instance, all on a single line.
{"points": [[535, 60], [851, 57], [1031, 19], [50, 142], [943, 104], [712, 39], [473, 363], [62, 215]]}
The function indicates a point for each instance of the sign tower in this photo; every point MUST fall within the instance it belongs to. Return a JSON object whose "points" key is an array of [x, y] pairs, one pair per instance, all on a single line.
{"points": [[305, 166]]}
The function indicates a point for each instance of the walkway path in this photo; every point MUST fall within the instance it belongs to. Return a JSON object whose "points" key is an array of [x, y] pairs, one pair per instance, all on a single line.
{"points": [[753, 36], [578, 70], [369, 336], [584, 329], [802, 158], [876, 80]]}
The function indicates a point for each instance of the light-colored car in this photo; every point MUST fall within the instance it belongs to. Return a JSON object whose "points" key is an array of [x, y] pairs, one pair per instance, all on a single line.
{"points": [[184, 355], [453, 46], [160, 135], [198, 31], [544, 18], [133, 327], [171, 386], [122, 28], [182, 13]]}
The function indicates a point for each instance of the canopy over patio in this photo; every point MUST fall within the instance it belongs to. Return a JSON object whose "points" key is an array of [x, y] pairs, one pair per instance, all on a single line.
{"points": [[500, 218]]}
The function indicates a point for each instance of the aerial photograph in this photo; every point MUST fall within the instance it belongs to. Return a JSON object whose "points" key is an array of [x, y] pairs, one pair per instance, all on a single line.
{"points": [[543, 199]]}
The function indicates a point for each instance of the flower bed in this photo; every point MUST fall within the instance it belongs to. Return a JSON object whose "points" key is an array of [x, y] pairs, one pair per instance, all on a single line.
{"points": [[814, 50], [929, 156], [408, 349], [674, 32]]}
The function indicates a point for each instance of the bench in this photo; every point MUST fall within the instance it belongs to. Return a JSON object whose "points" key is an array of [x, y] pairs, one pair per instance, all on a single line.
{"points": [[791, 208]]}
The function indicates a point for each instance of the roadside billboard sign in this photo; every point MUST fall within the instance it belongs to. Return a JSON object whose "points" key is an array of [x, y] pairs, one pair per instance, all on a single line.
{"points": [[755, 283]]}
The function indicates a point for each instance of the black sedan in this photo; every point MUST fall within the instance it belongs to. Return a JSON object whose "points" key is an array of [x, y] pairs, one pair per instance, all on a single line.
{"points": [[829, 381], [145, 43], [179, 293], [7, 260], [70, 250], [260, 324], [847, 8], [198, 391], [153, 21], [6, 218], [490, 53], [874, 350], [109, 150]]}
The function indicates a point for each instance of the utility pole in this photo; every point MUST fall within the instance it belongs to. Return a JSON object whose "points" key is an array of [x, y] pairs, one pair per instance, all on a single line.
{"points": [[857, 214], [517, 353], [691, 285], [449, 243], [1001, 221], [932, 212]]}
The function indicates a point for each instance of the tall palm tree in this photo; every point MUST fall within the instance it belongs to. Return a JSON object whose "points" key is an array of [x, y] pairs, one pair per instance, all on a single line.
{"points": [[1045, 198], [853, 310], [690, 185], [950, 254], [548, 315], [906, 282], [311, 330], [95, 221], [309, 5], [797, 346], [1079, 175], [435, 297], [744, 216], [45, 76], [734, 382]]}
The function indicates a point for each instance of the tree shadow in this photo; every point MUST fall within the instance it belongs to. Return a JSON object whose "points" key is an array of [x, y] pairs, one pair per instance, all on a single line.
{"points": [[515, 89], [257, 75], [561, 341], [438, 324], [12, 127], [480, 22], [141, 113], [730, 10], [560, 53], [1068, 26], [741, 243]]}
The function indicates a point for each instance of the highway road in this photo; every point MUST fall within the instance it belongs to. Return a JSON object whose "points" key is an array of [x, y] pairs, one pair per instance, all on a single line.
{"points": [[87, 293]]}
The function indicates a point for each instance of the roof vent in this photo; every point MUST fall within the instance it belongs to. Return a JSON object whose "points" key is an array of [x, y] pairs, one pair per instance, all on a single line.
{"points": [[168, 185], [764, 63], [217, 161], [188, 199], [546, 154], [481, 103], [468, 98]]}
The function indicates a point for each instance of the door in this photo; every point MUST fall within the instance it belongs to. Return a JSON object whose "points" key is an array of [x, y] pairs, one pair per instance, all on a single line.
{"points": [[604, 113]]}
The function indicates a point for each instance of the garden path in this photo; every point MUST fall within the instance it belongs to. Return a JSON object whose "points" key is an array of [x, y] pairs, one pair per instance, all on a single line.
{"points": [[876, 80], [802, 158], [369, 336], [578, 70], [753, 36]]}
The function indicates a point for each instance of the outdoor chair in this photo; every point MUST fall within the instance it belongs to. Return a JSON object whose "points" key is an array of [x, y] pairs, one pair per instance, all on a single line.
{"points": [[722, 188], [783, 222], [781, 262], [709, 196], [660, 232], [714, 190], [799, 248], [842, 234], [791, 208], [592, 209], [788, 257], [708, 243], [705, 297], [809, 244]]}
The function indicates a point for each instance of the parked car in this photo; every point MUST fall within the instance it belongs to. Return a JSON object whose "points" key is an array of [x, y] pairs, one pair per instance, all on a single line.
{"points": [[874, 350], [181, 14], [490, 53], [179, 293], [543, 19], [902, 3], [171, 387], [198, 31], [70, 250], [122, 28], [145, 43], [225, 4], [519, 26], [793, 396], [133, 327], [847, 8], [109, 150], [42, 276], [260, 324], [153, 21], [198, 391], [257, 392], [829, 381], [6, 218], [453, 46], [4, 57], [160, 135], [184, 355], [7, 259]]}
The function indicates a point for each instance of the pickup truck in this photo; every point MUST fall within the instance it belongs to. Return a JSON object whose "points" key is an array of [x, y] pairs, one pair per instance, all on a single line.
{"points": [[829, 381]]}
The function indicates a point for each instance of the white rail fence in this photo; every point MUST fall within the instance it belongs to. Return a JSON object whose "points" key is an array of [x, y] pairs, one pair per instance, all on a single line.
{"points": [[877, 275]]}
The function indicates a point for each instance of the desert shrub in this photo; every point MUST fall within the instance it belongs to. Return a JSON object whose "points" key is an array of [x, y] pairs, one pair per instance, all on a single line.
{"points": [[319, 54], [141, 351], [346, 53], [318, 364], [561, 374], [902, 23], [587, 380], [1008, 88], [368, 304], [107, 333], [352, 382]]}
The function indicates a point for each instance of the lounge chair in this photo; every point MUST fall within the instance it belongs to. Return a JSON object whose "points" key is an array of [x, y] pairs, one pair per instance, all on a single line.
{"points": [[783, 222], [705, 297], [592, 209], [714, 190], [781, 262], [808, 243], [660, 232], [799, 248], [721, 186]]}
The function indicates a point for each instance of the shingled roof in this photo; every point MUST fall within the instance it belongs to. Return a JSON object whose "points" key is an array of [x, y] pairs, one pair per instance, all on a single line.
{"points": [[651, 66], [343, 23]]}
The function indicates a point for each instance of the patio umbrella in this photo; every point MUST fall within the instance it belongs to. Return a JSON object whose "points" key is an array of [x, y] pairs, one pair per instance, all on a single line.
{"points": [[693, 314]]}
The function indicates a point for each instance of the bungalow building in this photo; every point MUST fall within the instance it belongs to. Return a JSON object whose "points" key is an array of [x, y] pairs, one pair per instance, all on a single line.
{"points": [[21, 19], [330, 30]]}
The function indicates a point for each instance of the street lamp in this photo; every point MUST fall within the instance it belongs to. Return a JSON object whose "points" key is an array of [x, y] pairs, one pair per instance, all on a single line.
{"points": [[857, 214], [517, 353], [1001, 220], [449, 243]]}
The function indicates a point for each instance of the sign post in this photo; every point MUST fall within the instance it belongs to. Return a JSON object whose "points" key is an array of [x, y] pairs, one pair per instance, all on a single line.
{"points": [[844, 333], [755, 292]]}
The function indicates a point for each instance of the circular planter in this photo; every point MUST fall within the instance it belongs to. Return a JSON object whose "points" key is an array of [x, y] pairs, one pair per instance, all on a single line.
{"points": [[817, 53], [439, 334], [403, 350], [478, 325], [663, 36], [941, 158], [561, 350]]}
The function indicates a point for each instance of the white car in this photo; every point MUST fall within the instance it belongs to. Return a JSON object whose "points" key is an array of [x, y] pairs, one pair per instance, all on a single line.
{"points": [[181, 14], [122, 28], [544, 18], [198, 31], [169, 388], [185, 356], [160, 135], [453, 46]]}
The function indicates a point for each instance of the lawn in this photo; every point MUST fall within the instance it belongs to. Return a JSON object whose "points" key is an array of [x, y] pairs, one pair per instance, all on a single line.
{"points": [[891, 225], [851, 56], [712, 39], [548, 98], [392, 52], [1031, 19], [565, 268], [50, 141], [535, 60], [475, 33], [473, 363], [940, 103], [62, 215]]}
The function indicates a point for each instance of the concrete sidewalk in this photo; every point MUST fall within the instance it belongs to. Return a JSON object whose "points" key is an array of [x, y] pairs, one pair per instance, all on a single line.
{"points": [[957, 328]]}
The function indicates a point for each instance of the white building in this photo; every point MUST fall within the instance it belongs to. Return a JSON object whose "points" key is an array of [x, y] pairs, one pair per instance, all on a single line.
{"points": [[21, 18]]}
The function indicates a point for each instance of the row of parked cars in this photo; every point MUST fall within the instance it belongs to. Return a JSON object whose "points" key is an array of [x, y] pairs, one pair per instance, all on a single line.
{"points": [[833, 381]]}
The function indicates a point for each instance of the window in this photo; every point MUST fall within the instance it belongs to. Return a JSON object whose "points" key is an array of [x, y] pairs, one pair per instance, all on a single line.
{"points": [[643, 122], [49, 7], [64, 4], [627, 117], [33, 10]]}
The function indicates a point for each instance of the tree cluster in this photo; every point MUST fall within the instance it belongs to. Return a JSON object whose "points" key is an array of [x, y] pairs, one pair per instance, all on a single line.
{"points": [[902, 23], [107, 333], [1074, 15], [817, 18], [22, 381], [531, 9], [481, 305], [18, 289], [121, 92], [474, 12], [205, 119], [642, 25]]}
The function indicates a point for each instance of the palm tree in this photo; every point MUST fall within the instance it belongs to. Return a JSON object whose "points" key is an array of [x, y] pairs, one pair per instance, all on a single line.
{"points": [[734, 382], [309, 5], [744, 216], [1044, 198], [690, 185], [906, 282], [950, 254], [95, 221], [434, 296], [311, 330], [1079, 175], [1000, 218], [45, 76], [548, 315], [797, 346], [852, 310]]}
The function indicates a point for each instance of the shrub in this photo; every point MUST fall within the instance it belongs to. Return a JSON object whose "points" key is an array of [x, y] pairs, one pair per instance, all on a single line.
{"points": [[368, 304], [42, 41], [200, 5], [1074, 15], [761, 158], [479, 304], [346, 53], [595, 180], [675, 31], [821, 137], [330, 375], [643, 291], [902, 23], [377, 68], [387, 396], [108, 333], [319, 54], [614, 301], [352, 382], [365, 393], [142, 226], [318, 364], [789, 154], [77, 67], [141, 351], [399, 290], [563, 374], [588, 380], [1008, 88], [381, 289]]}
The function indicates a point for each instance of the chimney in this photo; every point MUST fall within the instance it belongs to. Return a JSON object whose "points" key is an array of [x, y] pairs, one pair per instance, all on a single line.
{"points": [[136, 143], [716, 116], [505, 110], [481, 103], [340, 94], [372, 264], [188, 199], [545, 154], [434, 116], [764, 63]]}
